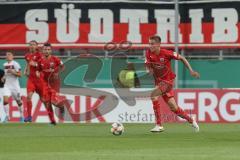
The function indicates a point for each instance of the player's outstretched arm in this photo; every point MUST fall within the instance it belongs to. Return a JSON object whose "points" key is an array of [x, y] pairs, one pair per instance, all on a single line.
{"points": [[187, 64]]}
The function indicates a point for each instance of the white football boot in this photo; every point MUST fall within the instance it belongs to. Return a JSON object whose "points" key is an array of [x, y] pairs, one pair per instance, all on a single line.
{"points": [[195, 125], [157, 128]]}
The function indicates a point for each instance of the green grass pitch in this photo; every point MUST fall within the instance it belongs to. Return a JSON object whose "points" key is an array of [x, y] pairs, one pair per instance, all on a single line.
{"points": [[95, 142]]}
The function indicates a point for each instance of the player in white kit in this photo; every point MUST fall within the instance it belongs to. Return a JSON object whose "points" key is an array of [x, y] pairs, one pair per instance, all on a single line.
{"points": [[11, 87]]}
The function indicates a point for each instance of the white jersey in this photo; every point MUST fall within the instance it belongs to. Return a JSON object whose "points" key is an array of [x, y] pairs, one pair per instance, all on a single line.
{"points": [[11, 81]]}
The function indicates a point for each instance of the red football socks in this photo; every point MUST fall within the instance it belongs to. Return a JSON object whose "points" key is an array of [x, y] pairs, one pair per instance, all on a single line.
{"points": [[51, 114], [181, 113], [29, 108]]}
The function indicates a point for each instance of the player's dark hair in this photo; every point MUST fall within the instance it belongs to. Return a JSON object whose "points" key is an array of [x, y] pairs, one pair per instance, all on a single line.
{"points": [[34, 41], [156, 38], [47, 45]]}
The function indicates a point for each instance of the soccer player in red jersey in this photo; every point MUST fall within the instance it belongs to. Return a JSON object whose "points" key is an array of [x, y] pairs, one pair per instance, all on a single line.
{"points": [[33, 82], [49, 67], [158, 62]]}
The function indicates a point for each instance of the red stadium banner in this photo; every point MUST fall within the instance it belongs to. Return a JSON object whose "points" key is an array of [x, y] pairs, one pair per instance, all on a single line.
{"points": [[211, 105], [206, 24], [207, 105]]}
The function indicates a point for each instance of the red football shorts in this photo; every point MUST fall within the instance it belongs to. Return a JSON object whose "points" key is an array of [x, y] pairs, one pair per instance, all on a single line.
{"points": [[166, 88], [34, 85], [40, 87], [55, 85]]}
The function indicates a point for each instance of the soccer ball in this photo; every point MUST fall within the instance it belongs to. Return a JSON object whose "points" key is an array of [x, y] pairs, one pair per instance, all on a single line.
{"points": [[117, 129]]}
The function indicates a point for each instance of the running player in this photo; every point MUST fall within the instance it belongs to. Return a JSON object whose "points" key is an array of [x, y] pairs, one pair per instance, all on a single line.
{"points": [[12, 87], [33, 82], [50, 66], [158, 61]]}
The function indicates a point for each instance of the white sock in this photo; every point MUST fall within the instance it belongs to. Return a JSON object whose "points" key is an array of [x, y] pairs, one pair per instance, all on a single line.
{"points": [[6, 109]]}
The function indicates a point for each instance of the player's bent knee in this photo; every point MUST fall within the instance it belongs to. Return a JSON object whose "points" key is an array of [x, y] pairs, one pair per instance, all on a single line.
{"points": [[172, 108], [156, 93]]}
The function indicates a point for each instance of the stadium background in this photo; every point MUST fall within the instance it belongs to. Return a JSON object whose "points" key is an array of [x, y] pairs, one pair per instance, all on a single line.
{"points": [[209, 41]]}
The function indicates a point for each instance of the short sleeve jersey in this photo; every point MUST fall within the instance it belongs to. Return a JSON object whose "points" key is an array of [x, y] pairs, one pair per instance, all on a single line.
{"points": [[160, 64]]}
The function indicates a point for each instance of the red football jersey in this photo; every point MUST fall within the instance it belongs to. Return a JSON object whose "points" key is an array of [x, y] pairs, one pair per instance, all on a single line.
{"points": [[33, 57], [50, 66], [160, 64]]}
